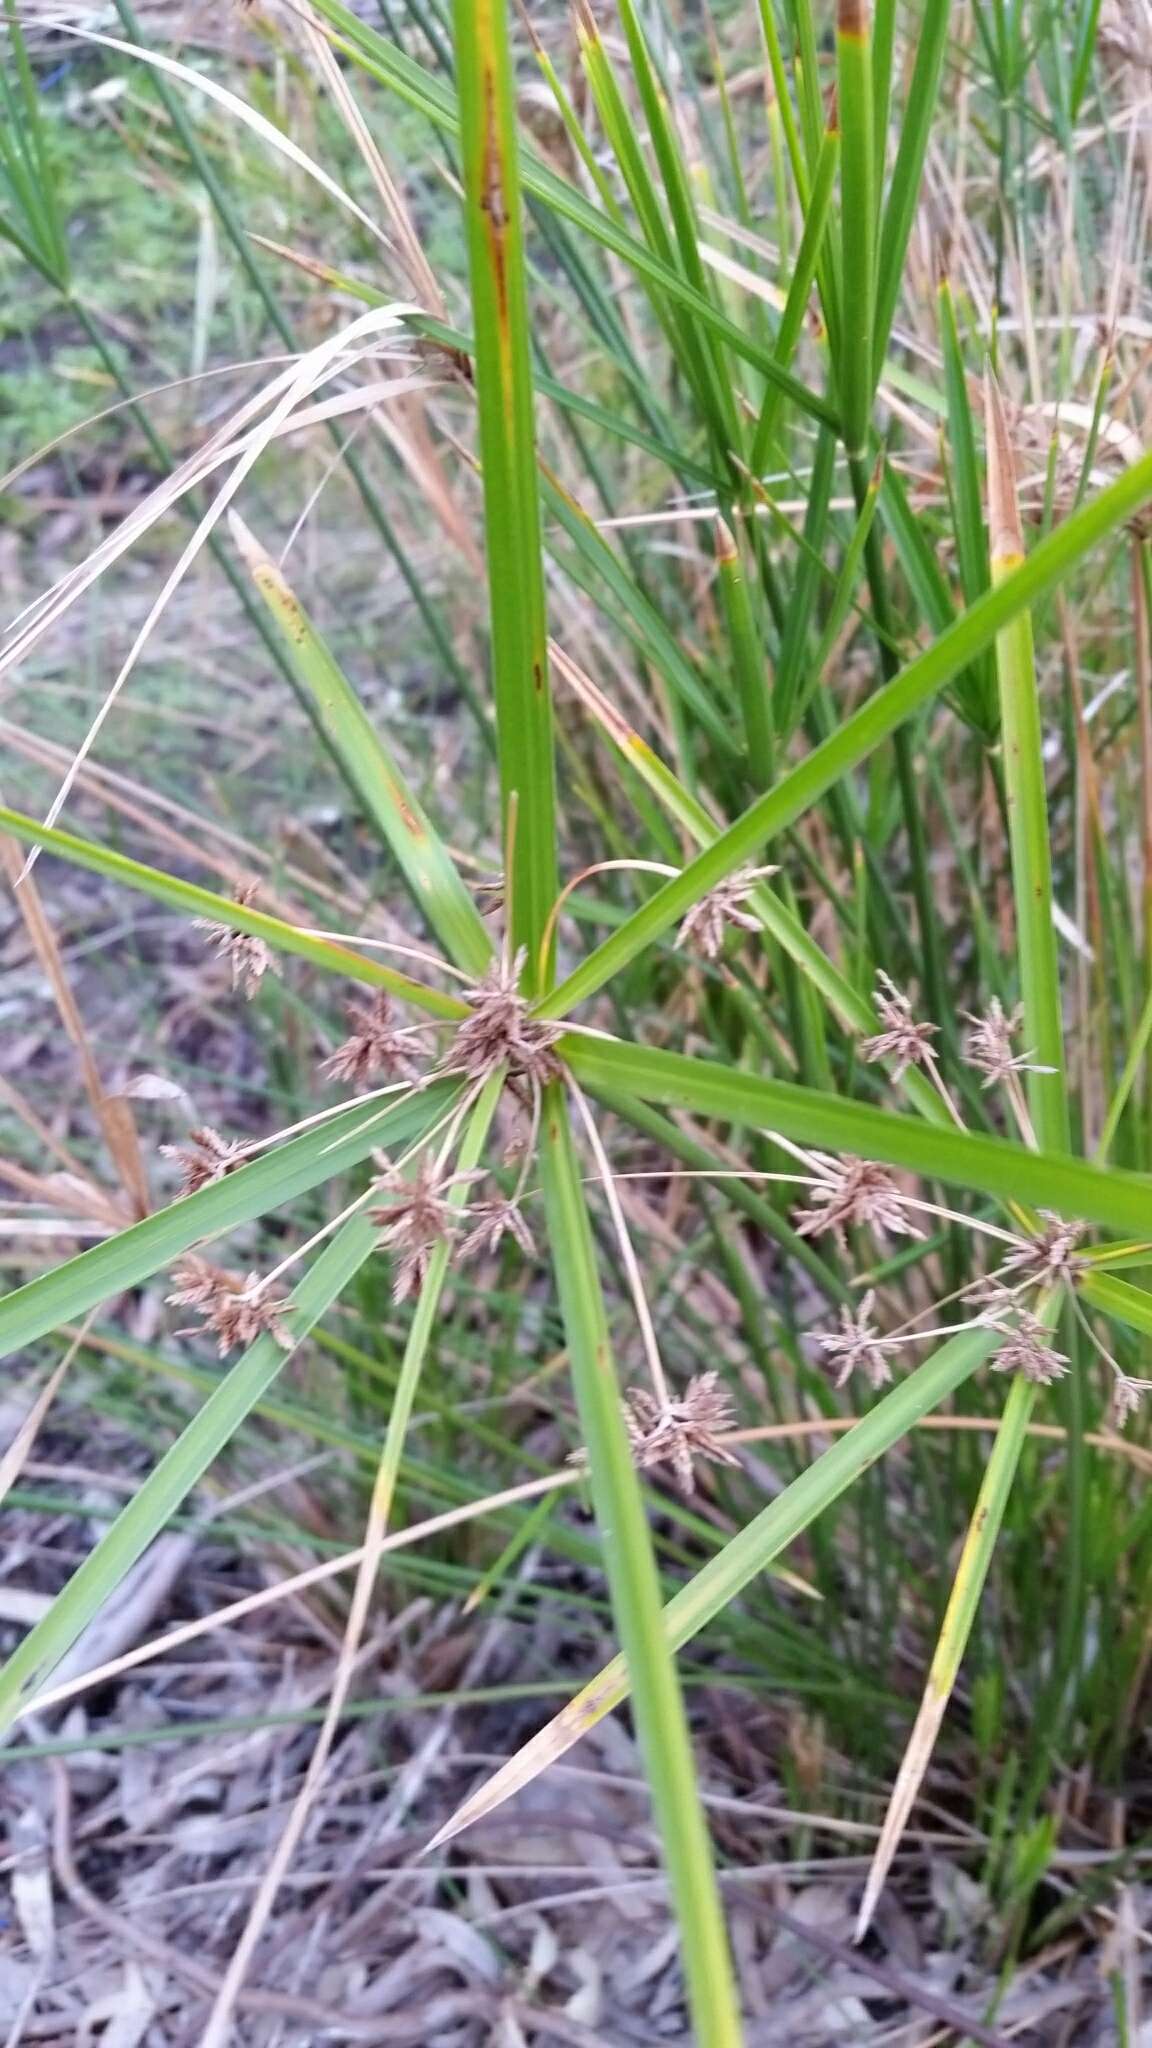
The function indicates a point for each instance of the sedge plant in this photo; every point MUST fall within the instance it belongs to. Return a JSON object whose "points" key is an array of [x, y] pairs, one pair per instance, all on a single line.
{"points": [[807, 899]]}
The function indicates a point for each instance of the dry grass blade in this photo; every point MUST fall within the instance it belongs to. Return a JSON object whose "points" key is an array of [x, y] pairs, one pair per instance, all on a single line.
{"points": [[113, 1113], [311, 369], [479, 1109], [268, 132], [299, 1582], [421, 276], [17, 1453], [967, 1586]]}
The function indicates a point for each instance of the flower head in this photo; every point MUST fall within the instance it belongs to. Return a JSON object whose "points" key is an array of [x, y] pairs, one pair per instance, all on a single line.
{"points": [[1050, 1256], [902, 1038], [373, 1046], [995, 1300], [858, 1343], [853, 1191], [675, 1432], [415, 1220], [1127, 1395], [1028, 1349], [500, 1029], [251, 958], [705, 927], [492, 1222], [205, 1158], [235, 1309], [988, 1046]]}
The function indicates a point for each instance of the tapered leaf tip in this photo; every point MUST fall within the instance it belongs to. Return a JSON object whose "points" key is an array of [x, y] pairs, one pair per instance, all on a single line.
{"points": [[251, 553], [726, 549], [1005, 533]]}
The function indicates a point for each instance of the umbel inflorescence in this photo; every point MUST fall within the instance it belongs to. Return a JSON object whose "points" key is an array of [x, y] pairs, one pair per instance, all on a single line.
{"points": [[423, 1203]]}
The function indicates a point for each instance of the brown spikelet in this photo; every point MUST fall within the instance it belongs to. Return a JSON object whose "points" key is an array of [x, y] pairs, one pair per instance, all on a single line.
{"points": [[676, 1432], [373, 1046], [233, 1307], [250, 957], [491, 1223], [205, 1158], [850, 1193], [903, 1039], [500, 1030], [858, 1345], [706, 925], [415, 1219]]}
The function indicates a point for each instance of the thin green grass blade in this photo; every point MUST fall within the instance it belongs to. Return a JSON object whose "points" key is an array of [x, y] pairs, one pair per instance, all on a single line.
{"points": [[808, 258], [368, 766], [844, 595], [782, 98], [883, 53], [1053, 559], [749, 657], [222, 910], [686, 336], [173, 1479], [606, 579], [268, 1183], [975, 691], [395, 69], [716, 393], [508, 457], [991, 1166], [724, 1577], [856, 343], [635, 1586], [904, 191], [805, 585], [1029, 835], [26, 166], [971, 1572], [1118, 1299]]}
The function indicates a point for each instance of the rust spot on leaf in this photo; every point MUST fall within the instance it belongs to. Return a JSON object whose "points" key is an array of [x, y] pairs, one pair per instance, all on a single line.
{"points": [[538, 674], [408, 817], [290, 610], [492, 202]]}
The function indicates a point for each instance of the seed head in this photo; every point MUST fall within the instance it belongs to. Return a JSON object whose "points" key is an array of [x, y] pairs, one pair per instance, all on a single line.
{"points": [[492, 1222], [988, 1047], [677, 1431], [205, 1158], [902, 1039], [415, 1220], [1127, 1395], [858, 1343], [706, 925], [501, 1030], [853, 1191], [1050, 1256], [995, 1300], [250, 957], [374, 1046], [1028, 1349], [233, 1308]]}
